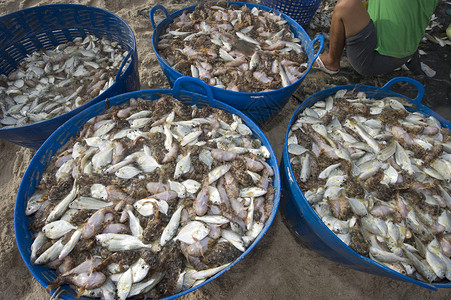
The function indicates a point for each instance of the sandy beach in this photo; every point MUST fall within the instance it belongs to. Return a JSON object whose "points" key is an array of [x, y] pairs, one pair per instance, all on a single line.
{"points": [[279, 267]]}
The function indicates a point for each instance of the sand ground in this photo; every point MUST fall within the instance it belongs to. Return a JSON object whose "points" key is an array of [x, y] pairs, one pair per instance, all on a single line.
{"points": [[279, 267]]}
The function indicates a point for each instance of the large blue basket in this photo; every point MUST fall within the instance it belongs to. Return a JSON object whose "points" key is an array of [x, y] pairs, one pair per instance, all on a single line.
{"points": [[300, 10], [303, 221], [260, 107], [29, 30], [69, 129]]}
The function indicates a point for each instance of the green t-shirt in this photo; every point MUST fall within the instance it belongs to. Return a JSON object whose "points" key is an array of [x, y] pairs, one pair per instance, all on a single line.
{"points": [[400, 24]]}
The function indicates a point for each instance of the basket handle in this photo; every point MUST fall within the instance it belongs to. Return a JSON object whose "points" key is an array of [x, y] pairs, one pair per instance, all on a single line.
{"points": [[152, 13], [319, 38], [119, 72], [178, 86], [417, 84]]}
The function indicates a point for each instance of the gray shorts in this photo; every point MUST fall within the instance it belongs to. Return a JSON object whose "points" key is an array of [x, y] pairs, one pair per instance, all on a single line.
{"points": [[364, 59]]}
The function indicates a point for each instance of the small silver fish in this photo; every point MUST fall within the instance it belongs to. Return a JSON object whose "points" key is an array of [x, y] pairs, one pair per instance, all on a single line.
{"points": [[171, 229], [120, 242]]}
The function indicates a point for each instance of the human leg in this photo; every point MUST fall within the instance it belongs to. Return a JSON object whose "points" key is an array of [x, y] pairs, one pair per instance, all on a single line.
{"points": [[349, 18], [364, 59]]}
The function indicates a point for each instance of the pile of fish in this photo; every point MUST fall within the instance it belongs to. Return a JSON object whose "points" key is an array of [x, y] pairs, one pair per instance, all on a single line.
{"points": [[151, 198], [234, 48], [379, 177], [320, 23], [49, 83]]}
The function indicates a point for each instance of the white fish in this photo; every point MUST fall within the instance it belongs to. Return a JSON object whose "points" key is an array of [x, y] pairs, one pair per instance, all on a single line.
{"points": [[336, 180], [333, 192], [374, 225], [306, 170], [193, 231], [246, 38], [385, 256], [99, 191], [171, 229], [365, 136], [135, 226], [225, 55], [147, 163], [190, 138], [191, 186], [208, 272], [108, 290], [61, 207], [57, 229], [443, 167], [243, 129], [403, 160], [424, 271], [321, 130], [38, 242], [217, 173], [368, 169], [206, 158], [183, 166], [68, 214], [177, 187], [285, 81], [357, 206], [120, 242], [437, 265], [89, 203], [105, 128], [327, 171], [255, 176], [146, 207], [252, 192], [127, 172], [34, 203], [250, 215], [296, 149], [255, 60], [390, 176], [139, 123], [214, 196], [338, 226], [51, 253], [139, 270], [146, 286], [233, 238], [124, 284], [213, 219], [252, 233], [194, 72], [70, 245], [65, 170], [138, 115], [168, 139]]}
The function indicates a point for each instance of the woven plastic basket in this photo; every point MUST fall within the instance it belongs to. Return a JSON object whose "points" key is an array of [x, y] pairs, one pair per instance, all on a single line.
{"points": [[262, 106], [43, 156], [302, 11], [29, 30], [304, 222]]}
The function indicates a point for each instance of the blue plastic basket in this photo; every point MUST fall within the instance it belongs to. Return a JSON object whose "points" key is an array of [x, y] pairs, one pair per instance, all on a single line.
{"points": [[69, 129], [303, 221], [301, 10], [29, 30], [260, 107]]}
